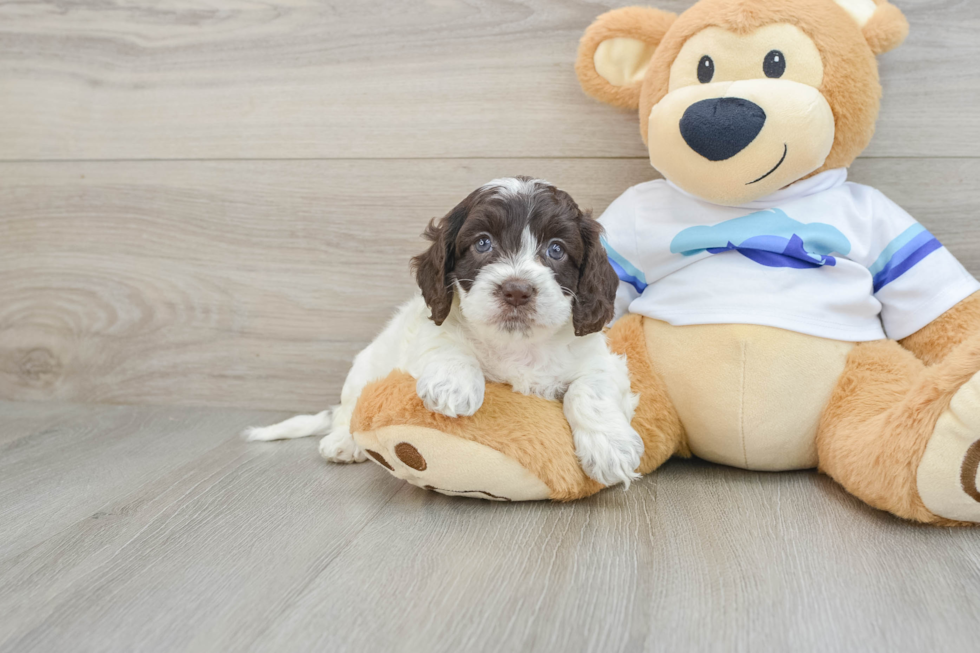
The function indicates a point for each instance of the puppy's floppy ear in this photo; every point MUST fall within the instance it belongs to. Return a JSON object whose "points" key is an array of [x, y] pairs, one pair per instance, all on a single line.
{"points": [[434, 267], [615, 52], [595, 301]]}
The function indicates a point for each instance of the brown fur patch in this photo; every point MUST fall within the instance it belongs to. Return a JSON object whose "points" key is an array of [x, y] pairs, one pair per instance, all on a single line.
{"points": [[936, 340], [880, 417], [887, 28], [595, 295], [433, 268]]}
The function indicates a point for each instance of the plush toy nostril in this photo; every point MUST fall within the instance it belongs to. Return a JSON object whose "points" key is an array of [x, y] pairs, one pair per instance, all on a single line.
{"points": [[719, 129]]}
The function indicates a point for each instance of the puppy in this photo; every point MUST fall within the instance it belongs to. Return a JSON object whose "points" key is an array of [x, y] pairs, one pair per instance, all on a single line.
{"points": [[516, 288]]}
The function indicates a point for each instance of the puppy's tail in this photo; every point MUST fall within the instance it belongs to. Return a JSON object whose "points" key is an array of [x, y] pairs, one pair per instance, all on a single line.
{"points": [[300, 426]]}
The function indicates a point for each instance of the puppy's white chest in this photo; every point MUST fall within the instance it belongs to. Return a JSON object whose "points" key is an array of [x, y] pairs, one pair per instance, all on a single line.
{"points": [[530, 370]]}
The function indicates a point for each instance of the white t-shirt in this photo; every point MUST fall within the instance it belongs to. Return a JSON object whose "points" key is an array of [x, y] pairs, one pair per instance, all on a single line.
{"points": [[823, 257]]}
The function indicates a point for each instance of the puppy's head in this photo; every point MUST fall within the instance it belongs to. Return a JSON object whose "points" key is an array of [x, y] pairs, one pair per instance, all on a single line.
{"points": [[523, 258]]}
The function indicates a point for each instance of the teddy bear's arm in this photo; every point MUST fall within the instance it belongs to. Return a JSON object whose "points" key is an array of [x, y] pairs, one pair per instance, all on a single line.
{"points": [[934, 341]]}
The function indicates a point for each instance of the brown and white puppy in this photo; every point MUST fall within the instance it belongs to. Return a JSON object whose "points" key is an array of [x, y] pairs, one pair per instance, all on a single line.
{"points": [[516, 288]]}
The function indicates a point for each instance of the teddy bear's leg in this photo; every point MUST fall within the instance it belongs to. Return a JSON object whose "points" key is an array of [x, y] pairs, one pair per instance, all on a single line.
{"points": [[902, 436], [935, 341], [515, 448]]}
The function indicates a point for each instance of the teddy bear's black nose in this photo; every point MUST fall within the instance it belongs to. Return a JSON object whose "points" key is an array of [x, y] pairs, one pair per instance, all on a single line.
{"points": [[719, 129]]}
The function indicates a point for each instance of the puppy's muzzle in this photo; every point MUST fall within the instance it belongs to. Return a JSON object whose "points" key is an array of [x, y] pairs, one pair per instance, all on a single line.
{"points": [[517, 293]]}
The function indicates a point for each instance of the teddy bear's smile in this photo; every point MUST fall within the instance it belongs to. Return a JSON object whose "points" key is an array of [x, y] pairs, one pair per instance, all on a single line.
{"points": [[781, 161]]}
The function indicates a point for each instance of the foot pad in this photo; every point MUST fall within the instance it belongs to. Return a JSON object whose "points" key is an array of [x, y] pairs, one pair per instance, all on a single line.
{"points": [[433, 460], [947, 477]]}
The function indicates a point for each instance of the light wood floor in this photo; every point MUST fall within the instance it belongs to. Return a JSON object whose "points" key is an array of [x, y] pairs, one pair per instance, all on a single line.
{"points": [[207, 208], [156, 529]]}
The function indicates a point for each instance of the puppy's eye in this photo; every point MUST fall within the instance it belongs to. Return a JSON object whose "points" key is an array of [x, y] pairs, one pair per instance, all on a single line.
{"points": [[556, 251], [706, 69], [774, 65], [484, 244]]}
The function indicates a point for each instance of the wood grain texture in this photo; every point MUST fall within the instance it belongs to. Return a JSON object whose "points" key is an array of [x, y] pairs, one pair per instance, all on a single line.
{"points": [[196, 544], [23, 420], [259, 547], [254, 284], [226, 283], [102, 450], [383, 79]]}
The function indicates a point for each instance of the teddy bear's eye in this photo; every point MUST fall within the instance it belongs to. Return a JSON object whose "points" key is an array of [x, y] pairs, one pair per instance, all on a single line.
{"points": [[706, 69], [774, 65]]}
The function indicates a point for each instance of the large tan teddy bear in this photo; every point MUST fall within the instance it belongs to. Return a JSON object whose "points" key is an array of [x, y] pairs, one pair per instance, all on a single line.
{"points": [[779, 317]]}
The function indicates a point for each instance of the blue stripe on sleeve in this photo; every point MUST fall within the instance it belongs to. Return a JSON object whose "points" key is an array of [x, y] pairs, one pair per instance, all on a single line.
{"points": [[902, 254], [626, 277], [898, 243], [626, 271]]}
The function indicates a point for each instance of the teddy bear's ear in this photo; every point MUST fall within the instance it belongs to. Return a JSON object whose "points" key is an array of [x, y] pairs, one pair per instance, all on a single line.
{"points": [[615, 52], [883, 24]]}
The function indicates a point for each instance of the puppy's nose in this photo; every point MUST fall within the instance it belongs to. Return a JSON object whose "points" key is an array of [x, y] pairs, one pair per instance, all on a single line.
{"points": [[719, 129], [516, 293]]}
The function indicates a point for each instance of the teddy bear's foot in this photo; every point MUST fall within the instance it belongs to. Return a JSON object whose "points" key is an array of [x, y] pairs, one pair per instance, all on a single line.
{"points": [[433, 460], [947, 477]]}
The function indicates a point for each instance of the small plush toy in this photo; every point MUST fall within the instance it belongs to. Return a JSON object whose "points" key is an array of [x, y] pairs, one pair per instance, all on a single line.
{"points": [[780, 317]]}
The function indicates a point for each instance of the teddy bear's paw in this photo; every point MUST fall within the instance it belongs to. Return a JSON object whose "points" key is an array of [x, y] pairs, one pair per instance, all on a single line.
{"points": [[947, 478], [610, 457], [433, 460], [339, 447], [453, 391]]}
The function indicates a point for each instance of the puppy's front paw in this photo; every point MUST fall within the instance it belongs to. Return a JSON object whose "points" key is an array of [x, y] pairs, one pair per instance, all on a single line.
{"points": [[451, 391], [339, 447], [610, 457]]}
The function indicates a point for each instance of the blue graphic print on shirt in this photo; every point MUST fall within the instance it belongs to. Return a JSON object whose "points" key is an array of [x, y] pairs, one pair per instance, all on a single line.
{"points": [[769, 238]]}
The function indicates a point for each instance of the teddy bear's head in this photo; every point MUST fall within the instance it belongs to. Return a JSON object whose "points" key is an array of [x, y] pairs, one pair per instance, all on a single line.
{"points": [[739, 98]]}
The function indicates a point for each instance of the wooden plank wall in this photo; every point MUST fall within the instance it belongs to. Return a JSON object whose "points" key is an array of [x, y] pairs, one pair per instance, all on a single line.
{"points": [[214, 204]]}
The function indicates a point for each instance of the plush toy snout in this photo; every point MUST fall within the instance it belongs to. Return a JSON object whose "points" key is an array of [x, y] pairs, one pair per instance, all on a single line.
{"points": [[733, 142], [720, 128]]}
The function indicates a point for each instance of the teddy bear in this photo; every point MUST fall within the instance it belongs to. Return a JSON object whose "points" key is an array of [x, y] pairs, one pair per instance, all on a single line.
{"points": [[773, 315]]}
